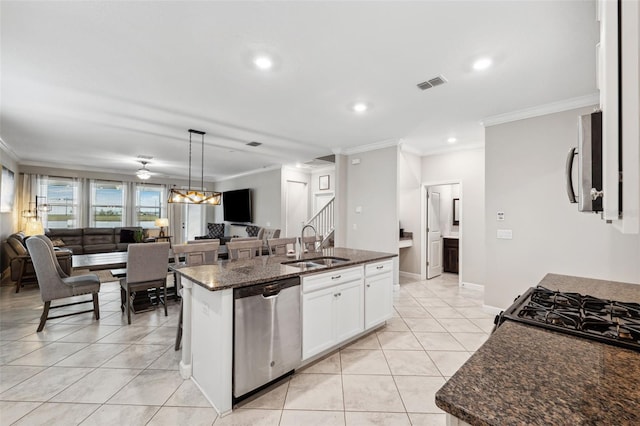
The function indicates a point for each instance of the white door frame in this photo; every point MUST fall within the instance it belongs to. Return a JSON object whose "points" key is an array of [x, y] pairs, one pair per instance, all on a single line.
{"points": [[423, 226]]}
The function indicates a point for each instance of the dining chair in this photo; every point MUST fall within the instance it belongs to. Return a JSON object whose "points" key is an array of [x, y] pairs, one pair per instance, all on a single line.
{"points": [[147, 266], [311, 244], [55, 284], [280, 246], [197, 252], [244, 249]]}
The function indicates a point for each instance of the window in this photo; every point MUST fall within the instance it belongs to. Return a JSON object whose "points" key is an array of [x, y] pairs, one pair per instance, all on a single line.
{"points": [[107, 204], [149, 204], [62, 196]]}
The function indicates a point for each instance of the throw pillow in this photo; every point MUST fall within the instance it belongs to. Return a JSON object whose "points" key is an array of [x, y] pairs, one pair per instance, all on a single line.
{"points": [[127, 236], [57, 242], [216, 230], [252, 231]]}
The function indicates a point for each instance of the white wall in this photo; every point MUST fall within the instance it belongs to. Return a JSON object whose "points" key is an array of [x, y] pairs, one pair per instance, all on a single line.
{"points": [[340, 206], [266, 197], [525, 162], [9, 221], [468, 168], [409, 183], [372, 185]]}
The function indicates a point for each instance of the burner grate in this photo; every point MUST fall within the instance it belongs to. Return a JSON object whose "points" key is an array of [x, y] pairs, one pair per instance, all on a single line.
{"points": [[604, 320]]}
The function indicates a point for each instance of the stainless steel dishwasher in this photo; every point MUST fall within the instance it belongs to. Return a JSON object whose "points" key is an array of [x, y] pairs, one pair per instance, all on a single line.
{"points": [[267, 333]]}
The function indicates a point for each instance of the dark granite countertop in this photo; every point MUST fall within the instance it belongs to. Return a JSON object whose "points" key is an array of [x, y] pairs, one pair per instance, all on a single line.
{"points": [[529, 375], [241, 273]]}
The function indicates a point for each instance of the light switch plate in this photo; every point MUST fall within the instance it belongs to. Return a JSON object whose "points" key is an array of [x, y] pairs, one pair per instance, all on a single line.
{"points": [[505, 234]]}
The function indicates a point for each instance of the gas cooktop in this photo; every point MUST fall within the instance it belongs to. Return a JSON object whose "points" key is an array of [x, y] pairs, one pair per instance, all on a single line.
{"points": [[607, 321]]}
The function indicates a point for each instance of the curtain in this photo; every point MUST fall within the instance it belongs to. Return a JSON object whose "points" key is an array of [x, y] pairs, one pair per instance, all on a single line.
{"points": [[27, 191]]}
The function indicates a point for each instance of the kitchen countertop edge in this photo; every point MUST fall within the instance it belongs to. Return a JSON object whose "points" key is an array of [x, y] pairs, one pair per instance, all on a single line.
{"points": [[265, 269], [497, 384]]}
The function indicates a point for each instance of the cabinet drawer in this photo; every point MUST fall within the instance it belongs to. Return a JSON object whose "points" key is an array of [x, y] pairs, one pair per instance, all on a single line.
{"points": [[372, 269], [328, 279]]}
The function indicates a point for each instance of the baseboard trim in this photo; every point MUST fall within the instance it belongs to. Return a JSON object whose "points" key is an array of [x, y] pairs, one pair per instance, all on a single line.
{"points": [[492, 309], [411, 275], [472, 286]]}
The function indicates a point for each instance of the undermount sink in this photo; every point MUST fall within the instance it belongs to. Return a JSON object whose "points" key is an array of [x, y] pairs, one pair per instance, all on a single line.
{"points": [[316, 262]]}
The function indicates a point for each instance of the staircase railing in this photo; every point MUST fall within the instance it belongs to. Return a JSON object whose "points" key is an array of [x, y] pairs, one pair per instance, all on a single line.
{"points": [[324, 222]]}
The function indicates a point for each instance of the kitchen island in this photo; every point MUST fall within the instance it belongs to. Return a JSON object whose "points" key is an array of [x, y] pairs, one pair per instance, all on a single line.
{"points": [[529, 375], [208, 308]]}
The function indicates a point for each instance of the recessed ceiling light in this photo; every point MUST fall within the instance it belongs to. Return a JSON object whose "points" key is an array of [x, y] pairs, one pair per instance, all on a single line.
{"points": [[360, 107], [263, 62], [452, 140], [482, 64]]}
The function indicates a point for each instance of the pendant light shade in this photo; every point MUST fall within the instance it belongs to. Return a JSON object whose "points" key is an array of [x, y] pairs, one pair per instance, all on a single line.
{"points": [[193, 196]]}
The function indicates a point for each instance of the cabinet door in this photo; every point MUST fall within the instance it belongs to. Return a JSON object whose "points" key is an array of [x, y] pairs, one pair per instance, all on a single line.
{"points": [[349, 310], [318, 321], [378, 299]]}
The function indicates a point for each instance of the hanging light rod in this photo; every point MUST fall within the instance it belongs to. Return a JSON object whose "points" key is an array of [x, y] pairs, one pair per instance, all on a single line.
{"points": [[192, 196]]}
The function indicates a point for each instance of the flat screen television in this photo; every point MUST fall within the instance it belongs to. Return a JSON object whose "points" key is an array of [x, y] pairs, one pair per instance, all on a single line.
{"points": [[237, 205]]}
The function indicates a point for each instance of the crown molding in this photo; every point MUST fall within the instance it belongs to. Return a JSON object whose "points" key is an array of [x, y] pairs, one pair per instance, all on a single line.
{"points": [[550, 108], [10, 152], [251, 172], [409, 149], [371, 147], [452, 149]]}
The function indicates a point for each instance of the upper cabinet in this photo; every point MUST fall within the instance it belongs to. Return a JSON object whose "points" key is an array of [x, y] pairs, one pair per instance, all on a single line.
{"points": [[618, 55]]}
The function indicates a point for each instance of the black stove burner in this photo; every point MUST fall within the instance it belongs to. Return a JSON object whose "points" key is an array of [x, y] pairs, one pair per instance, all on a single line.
{"points": [[604, 320]]}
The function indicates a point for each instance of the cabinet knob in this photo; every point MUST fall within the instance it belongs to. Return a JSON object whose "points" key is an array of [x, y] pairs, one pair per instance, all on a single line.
{"points": [[380, 267], [368, 285]]}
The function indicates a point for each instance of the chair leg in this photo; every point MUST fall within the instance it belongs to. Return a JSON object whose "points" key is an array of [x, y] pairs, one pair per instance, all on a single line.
{"points": [[179, 331], [23, 270], [165, 299], [45, 315], [127, 302], [96, 307]]}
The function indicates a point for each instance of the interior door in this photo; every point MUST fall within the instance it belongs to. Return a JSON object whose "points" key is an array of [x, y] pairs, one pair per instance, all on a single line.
{"points": [[297, 200], [434, 235]]}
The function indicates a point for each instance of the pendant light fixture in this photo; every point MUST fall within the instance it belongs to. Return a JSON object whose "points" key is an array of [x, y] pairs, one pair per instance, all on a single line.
{"points": [[143, 173], [192, 196]]}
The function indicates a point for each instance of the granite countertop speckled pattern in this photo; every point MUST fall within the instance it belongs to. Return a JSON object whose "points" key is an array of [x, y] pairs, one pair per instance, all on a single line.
{"points": [[241, 273], [529, 375]]}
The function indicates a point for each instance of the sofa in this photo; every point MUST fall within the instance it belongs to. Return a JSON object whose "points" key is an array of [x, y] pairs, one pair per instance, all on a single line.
{"points": [[217, 231], [19, 261], [94, 240]]}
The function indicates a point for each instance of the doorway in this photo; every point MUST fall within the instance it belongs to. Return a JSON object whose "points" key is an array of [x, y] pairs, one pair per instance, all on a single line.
{"points": [[441, 208], [296, 207]]}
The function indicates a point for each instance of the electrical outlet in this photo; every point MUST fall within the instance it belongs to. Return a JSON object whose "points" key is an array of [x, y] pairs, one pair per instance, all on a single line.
{"points": [[505, 234]]}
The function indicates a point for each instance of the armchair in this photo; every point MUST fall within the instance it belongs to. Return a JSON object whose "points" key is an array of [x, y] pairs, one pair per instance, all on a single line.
{"points": [[54, 282], [20, 262]]}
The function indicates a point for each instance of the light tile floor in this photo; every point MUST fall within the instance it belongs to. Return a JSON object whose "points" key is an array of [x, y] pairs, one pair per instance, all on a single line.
{"points": [[82, 371]]}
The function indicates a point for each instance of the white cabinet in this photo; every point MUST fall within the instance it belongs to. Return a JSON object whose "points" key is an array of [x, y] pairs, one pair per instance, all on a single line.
{"points": [[332, 309], [378, 293], [618, 79]]}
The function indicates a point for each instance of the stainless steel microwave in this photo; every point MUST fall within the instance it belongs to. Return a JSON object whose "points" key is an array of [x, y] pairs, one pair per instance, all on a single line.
{"points": [[589, 155]]}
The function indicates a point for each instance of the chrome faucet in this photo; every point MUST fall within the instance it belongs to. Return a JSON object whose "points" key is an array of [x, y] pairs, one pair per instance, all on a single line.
{"points": [[315, 238]]}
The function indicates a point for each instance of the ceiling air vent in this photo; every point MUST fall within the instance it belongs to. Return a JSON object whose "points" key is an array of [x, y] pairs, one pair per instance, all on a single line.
{"points": [[254, 143], [436, 81]]}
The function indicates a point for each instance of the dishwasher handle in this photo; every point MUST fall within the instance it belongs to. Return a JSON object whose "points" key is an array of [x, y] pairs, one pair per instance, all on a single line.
{"points": [[271, 291]]}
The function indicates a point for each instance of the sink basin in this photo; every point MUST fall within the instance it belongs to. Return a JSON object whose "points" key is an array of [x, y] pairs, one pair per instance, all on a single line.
{"points": [[316, 262], [328, 260]]}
